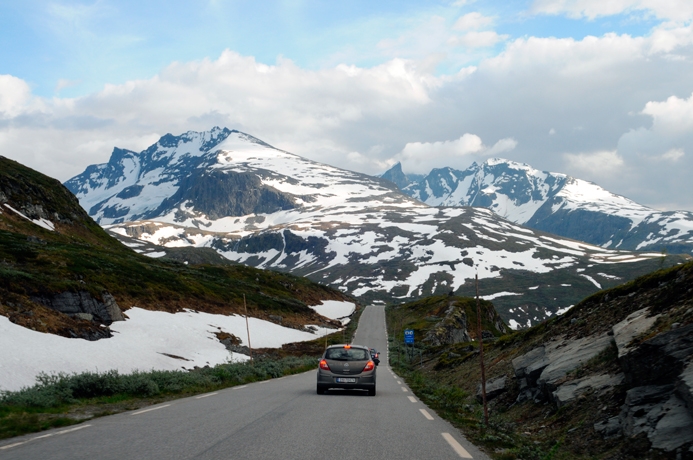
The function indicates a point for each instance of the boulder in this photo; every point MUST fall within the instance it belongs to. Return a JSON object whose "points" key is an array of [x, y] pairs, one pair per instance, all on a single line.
{"points": [[660, 359], [571, 390], [568, 356], [684, 386], [675, 427], [81, 304], [635, 324], [451, 329], [494, 388]]}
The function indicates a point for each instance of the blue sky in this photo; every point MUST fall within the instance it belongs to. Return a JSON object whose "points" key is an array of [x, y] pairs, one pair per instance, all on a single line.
{"points": [[599, 89], [74, 48]]}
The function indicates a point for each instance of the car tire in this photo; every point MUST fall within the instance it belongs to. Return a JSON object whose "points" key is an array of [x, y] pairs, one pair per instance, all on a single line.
{"points": [[371, 391], [321, 390]]}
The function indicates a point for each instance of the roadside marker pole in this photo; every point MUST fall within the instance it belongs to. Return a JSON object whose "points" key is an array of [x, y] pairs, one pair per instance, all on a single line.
{"points": [[481, 352], [247, 327]]}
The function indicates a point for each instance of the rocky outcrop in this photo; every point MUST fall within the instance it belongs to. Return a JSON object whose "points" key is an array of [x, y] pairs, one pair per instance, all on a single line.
{"points": [[542, 369], [451, 329], [83, 306], [658, 373]]}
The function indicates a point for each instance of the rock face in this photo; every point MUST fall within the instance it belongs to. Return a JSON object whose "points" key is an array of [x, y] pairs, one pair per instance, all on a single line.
{"points": [[83, 306], [658, 372], [451, 329]]}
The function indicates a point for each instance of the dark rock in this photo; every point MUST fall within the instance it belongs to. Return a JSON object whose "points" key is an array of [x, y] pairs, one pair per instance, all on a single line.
{"points": [[82, 303], [659, 360], [451, 329], [610, 428], [494, 388]]}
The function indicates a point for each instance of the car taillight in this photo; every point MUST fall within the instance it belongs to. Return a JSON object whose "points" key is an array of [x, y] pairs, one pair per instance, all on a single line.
{"points": [[324, 366], [369, 366]]}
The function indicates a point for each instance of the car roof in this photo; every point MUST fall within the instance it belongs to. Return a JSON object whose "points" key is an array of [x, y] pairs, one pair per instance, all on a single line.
{"points": [[342, 345]]}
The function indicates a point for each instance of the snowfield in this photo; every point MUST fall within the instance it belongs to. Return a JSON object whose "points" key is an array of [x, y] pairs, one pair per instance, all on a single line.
{"points": [[147, 340]]}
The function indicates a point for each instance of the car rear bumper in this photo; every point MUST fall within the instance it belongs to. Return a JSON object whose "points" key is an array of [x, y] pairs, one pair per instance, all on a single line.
{"points": [[329, 380]]}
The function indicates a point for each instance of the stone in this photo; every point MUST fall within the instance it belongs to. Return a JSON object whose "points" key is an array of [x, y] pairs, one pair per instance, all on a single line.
{"points": [[73, 303], [494, 388], [660, 359], [684, 386], [675, 427], [569, 356], [532, 362], [610, 428], [634, 325], [567, 392], [84, 316], [451, 329]]}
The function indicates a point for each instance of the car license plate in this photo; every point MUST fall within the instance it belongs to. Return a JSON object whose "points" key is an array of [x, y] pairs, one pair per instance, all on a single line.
{"points": [[342, 380]]}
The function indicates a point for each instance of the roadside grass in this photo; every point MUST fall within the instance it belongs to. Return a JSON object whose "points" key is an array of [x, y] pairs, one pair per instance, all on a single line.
{"points": [[59, 400]]}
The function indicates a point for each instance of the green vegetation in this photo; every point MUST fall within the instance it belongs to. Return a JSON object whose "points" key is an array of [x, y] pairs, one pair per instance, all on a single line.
{"points": [[447, 377], [59, 400]]}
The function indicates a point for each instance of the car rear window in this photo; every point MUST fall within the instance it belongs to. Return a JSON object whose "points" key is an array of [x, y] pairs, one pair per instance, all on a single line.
{"points": [[347, 354]]}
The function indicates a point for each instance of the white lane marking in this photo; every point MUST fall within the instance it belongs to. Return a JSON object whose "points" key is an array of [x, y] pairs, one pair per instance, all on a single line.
{"points": [[242, 386], [411, 398], [426, 414], [149, 410], [207, 395], [13, 445], [461, 451], [399, 382], [264, 381], [73, 429], [81, 427], [404, 389]]}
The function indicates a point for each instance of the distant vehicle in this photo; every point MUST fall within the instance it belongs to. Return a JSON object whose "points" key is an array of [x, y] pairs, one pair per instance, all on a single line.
{"points": [[346, 366], [375, 356]]}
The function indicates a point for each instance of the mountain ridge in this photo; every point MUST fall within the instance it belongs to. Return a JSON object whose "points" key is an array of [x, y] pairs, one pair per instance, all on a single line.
{"points": [[351, 231], [555, 203]]}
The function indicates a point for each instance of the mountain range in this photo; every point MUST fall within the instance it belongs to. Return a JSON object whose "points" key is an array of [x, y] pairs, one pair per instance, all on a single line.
{"points": [[267, 208], [554, 203]]}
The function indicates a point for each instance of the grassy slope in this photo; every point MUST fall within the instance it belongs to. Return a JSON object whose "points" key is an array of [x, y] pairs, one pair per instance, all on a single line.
{"points": [[448, 383], [81, 256]]}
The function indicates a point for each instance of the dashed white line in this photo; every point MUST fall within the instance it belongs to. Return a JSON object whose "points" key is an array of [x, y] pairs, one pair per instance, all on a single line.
{"points": [[404, 389], [426, 414], [412, 399], [243, 386], [9, 446], [461, 451], [399, 382], [149, 410], [207, 395]]}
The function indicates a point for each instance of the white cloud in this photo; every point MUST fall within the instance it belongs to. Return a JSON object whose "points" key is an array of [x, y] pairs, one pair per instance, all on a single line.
{"points": [[420, 157], [673, 155], [476, 39], [473, 21], [672, 116], [676, 10], [14, 96], [594, 164]]}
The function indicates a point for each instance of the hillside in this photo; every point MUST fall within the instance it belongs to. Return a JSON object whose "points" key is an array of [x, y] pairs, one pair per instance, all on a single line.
{"points": [[554, 203], [610, 379], [267, 208], [62, 274]]}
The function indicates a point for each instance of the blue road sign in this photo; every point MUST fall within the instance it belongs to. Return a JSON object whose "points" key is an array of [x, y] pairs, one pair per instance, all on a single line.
{"points": [[408, 336]]}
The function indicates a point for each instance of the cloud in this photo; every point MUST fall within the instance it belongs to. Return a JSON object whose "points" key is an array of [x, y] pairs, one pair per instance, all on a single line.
{"points": [[420, 157], [676, 10], [608, 99], [472, 21], [595, 164], [478, 39]]}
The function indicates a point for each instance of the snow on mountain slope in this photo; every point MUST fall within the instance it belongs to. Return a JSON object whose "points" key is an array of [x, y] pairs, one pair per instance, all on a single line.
{"points": [[147, 340], [267, 208], [555, 203]]}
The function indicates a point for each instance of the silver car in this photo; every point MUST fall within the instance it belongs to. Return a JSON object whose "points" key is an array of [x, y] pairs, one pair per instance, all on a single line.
{"points": [[346, 366]]}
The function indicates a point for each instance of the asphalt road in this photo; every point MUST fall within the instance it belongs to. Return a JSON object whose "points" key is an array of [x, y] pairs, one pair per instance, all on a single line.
{"points": [[276, 419]]}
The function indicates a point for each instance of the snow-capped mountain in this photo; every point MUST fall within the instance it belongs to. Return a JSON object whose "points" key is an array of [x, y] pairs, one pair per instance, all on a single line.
{"points": [[267, 208], [554, 203]]}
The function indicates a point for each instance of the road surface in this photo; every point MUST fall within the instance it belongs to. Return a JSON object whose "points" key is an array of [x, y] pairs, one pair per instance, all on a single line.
{"points": [[275, 419]]}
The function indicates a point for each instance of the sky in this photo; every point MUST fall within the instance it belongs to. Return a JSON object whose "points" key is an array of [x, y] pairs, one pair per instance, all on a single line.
{"points": [[601, 90]]}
